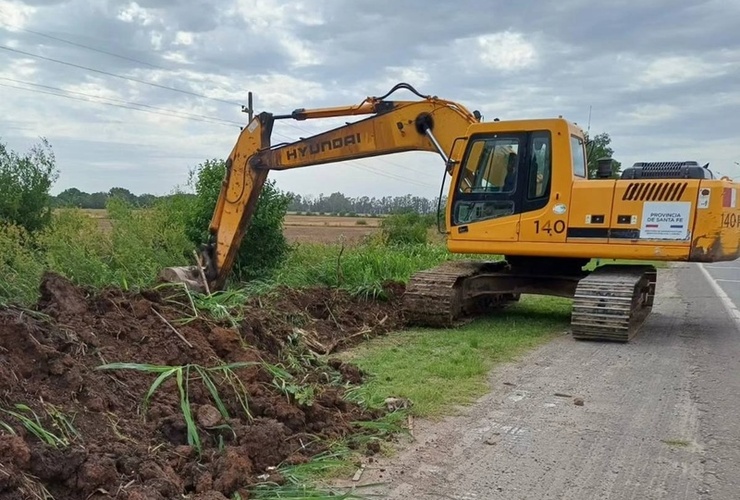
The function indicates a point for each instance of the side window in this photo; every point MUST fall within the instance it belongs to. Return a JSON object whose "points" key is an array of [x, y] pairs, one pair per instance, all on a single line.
{"points": [[540, 166], [579, 156]]}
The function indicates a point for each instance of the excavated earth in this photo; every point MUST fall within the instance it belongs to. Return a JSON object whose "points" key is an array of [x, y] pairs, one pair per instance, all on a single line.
{"points": [[114, 447]]}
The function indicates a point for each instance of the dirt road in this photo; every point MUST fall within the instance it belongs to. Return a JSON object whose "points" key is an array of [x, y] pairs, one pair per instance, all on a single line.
{"points": [[660, 416]]}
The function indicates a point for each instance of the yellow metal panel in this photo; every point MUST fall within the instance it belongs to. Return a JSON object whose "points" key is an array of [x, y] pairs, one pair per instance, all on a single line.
{"points": [[590, 210], [493, 230], [717, 228]]}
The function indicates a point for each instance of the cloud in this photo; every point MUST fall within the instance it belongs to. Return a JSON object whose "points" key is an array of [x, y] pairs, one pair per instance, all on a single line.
{"points": [[659, 77], [505, 51]]}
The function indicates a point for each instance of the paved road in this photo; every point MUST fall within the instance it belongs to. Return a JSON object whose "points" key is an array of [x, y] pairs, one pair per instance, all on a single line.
{"points": [[661, 418]]}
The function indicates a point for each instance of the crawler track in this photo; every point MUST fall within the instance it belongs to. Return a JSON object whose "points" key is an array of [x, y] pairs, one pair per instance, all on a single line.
{"points": [[612, 302], [438, 297]]}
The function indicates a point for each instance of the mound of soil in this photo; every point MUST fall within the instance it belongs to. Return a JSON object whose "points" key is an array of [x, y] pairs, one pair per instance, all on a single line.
{"points": [[107, 443]]}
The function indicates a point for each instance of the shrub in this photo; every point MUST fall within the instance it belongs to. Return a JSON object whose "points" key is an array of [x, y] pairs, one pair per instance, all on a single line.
{"points": [[264, 246], [21, 266], [406, 228], [24, 186], [139, 245]]}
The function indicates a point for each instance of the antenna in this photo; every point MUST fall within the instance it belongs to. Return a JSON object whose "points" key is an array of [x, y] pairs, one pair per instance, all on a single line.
{"points": [[588, 128]]}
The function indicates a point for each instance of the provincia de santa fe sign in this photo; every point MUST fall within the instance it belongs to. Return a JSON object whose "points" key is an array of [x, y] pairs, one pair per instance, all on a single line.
{"points": [[665, 220]]}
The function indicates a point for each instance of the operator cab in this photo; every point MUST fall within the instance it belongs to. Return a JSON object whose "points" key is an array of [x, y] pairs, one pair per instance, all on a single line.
{"points": [[507, 168]]}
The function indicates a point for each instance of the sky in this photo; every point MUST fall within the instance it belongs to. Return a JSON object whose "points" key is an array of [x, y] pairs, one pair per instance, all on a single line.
{"points": [[662, 78]]}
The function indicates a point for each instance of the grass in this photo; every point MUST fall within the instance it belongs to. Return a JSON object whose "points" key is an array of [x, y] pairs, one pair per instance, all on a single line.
{"points": [[359, 269], [439, 369], [183, 378], [31, 421]]}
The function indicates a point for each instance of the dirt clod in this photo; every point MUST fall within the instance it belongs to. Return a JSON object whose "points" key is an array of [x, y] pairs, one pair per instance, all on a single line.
{"points": [[115, 446], [208, 416]]}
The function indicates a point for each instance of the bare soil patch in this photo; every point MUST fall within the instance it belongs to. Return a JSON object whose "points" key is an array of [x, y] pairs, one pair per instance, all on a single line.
{"points": [[112, 448]]}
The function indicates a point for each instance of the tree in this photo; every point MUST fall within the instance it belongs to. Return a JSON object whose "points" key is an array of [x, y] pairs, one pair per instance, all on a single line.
{"points": [[264, 246], [72, 198], [25, 182], [597, 148], [123, 194]]}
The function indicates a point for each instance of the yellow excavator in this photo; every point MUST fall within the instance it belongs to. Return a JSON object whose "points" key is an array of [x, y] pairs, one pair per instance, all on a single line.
{"points": [[519, 189]]}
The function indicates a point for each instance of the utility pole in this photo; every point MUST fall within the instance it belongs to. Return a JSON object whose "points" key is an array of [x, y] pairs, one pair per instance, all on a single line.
{"points": [[249, 108]]}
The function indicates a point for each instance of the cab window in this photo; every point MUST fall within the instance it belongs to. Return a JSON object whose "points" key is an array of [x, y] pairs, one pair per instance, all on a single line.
{"points": [[579, 156], [540, 166], [490, 166]]}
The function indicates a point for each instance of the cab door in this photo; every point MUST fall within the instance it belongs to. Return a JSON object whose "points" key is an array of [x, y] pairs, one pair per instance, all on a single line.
{"points": [[487, 200], [544, 211]]}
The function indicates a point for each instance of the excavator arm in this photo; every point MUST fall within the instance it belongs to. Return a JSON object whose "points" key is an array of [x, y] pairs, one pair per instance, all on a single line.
{"points": [[428, 124]]}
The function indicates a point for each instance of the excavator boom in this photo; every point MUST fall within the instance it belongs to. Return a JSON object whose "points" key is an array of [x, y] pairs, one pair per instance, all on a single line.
{"points": [[428, 124]]}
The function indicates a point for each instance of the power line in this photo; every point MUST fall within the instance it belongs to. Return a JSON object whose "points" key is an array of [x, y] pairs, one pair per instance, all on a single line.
{"points": [[353, 163], [107, 73], [122, 101], [39, 91], [367, 167], [82, 45]]}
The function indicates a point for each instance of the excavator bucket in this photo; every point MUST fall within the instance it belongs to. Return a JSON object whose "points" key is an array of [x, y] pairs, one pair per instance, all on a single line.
{"points": [[190, 276]]}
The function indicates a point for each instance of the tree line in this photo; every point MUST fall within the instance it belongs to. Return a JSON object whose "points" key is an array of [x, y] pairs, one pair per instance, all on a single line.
{"points": [[74, 198], [335, 203]]}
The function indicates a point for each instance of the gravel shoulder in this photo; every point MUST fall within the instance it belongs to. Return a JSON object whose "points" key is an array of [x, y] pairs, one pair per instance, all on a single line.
{"points": [[658, 419]]}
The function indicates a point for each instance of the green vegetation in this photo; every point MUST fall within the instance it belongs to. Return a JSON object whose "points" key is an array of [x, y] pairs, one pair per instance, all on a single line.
{"points": [[438, 369], [184, 377], [264, 246], [360, 269], [406, 228], [598, 147], [33, 424], [25, 181]]}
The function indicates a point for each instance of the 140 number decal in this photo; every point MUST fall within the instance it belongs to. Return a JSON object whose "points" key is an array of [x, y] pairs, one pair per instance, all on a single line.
{"points": [[558, 227], [730, 220]]}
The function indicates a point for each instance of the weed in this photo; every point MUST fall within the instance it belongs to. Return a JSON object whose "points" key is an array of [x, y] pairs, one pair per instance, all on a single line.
{"points": [[363, 269], [286, 383], [32, 422], [223, 304], [332, 463], [7, 428], [406, 228], [183, 377], [60, 421]]}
